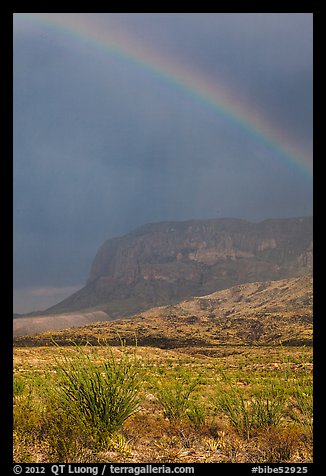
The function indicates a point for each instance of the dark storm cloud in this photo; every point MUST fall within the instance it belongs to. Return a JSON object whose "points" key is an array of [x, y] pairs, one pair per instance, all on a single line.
{"points": [[102, 146], [267, 57]]}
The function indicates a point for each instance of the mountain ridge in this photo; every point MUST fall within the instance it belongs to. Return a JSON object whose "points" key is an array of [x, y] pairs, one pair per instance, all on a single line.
{"points": [[163, 263]]}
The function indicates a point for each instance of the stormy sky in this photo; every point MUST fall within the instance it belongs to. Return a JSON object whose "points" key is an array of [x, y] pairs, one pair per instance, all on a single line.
{"points": [[104, 143]]}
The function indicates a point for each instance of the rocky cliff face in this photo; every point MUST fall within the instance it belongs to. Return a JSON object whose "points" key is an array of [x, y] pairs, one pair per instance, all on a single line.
{"points": [[163, 263]]}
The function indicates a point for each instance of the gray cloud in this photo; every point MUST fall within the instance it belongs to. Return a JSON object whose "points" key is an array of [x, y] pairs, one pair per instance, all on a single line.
{"points": [[102, 146]]}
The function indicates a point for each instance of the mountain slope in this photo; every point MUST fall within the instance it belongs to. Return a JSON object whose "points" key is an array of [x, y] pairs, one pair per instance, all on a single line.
{"points": [[261, 313], [162, 263]]}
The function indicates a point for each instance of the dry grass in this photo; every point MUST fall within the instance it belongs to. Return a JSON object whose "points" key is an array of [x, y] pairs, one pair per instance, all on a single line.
{"points": [[44, 432]]}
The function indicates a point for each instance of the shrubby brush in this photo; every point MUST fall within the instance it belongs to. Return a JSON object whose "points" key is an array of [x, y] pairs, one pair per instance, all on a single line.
{"points": [[174, 394], [76, 403], [262, 410], [100, 395], [18, 387]]}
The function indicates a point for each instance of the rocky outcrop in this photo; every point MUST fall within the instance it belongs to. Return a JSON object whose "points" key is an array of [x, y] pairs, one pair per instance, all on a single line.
{"points": [[162, 263]]}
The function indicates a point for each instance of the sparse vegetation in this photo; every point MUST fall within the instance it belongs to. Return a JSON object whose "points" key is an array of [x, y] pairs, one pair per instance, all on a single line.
{"points": [[264, 409], [65, 408], [100, 395], [18, 387], [175, 393]]}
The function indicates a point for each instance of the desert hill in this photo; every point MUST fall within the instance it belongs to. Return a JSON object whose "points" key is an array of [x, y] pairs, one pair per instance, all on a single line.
{"points": [[260, 313], [163, 263]]}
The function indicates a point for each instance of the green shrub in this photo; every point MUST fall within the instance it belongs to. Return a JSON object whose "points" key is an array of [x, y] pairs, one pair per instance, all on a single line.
{"points": [[196, 413], [262, 410], [29, 409], [268, 407], [174, 394], [303, 410], [18, 387], [100, 396], [233, 405]]}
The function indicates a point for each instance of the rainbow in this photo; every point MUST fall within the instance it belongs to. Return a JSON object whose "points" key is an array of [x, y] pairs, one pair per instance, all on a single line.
{"points": [[216, 96]]}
